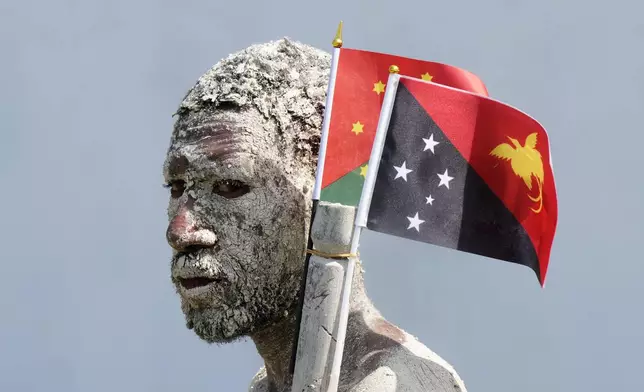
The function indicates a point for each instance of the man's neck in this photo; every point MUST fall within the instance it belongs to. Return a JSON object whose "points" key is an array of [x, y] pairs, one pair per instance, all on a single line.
{"points": [[275, 342], [275, 345]]}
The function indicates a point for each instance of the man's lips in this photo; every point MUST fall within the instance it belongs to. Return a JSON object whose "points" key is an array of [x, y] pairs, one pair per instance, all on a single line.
{"points": [[188, 277], [193, 283]]}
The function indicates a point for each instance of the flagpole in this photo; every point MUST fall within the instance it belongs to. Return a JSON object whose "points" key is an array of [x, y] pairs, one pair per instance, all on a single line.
{"points": [[378, 145], [324, 137], [335, 56], [361, 216]]}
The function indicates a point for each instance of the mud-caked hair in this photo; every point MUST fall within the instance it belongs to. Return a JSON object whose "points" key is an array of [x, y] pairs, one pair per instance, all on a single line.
{"points": [[284, 80]]}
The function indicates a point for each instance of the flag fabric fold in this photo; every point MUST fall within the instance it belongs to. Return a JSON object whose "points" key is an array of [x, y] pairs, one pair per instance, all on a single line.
{"points": [[466, 172], [360, 83]]}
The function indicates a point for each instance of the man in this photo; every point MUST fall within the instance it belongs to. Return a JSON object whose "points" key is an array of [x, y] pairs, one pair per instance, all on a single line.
{"points": [[240, 169]]}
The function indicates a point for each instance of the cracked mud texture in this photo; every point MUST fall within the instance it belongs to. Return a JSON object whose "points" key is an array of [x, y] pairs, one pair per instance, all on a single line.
{"points": [[253, 118]]}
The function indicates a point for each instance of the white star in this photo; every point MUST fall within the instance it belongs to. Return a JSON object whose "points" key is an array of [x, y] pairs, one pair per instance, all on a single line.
{"points": [[402, 171], [430, 143], [430, 200], [414, 222], [445, 179]]}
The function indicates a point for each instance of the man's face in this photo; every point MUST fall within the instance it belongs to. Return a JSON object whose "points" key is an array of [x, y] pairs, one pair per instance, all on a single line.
{"points": [[238, 211]]}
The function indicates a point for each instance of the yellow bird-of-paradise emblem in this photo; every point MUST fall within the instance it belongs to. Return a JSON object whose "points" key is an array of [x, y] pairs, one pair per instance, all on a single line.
{"points": [[525, 162]]}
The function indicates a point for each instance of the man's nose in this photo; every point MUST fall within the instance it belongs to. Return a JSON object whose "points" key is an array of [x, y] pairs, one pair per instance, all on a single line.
{"points": [[183, 234]]}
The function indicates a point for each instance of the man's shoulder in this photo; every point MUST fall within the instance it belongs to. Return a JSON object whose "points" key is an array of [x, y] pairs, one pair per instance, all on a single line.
{"points": [[388, 359], [402, 370], [388, 353], [419, 368]]}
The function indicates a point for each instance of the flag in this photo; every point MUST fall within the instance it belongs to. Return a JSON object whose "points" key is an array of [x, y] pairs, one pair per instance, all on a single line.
{"points": [[463, 171], [359, 86]]}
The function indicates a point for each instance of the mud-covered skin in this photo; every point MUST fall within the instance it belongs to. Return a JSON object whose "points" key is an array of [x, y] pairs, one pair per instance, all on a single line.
{"points": [[241, 166], [379, 356], [241, 240]]}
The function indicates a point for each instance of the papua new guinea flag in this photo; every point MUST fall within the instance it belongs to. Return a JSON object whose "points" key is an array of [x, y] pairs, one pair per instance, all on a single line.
{"points": [[358, 94], [466, 172]]}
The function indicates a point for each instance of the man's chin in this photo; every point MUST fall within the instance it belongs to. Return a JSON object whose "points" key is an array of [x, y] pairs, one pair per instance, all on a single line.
{"points": [[209, 335], [218, 325]]}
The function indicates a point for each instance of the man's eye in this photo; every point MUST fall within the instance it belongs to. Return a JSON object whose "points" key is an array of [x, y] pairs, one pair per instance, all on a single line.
{"points": [[176, 188], [230, 189]]}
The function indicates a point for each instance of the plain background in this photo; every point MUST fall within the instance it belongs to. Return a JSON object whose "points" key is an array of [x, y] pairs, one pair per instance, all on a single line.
{"points": [[87, 90]]}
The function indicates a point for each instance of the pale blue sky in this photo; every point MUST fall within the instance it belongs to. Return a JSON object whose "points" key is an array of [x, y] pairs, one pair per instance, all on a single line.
{"points": [[87, 89]]}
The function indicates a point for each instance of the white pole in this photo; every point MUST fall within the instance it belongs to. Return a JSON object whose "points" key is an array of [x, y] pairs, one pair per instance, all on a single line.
{"points": [[324, 136], [378, 145], [361, 216]]}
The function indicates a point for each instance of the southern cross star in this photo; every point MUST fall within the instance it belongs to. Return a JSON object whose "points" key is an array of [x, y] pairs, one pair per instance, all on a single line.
{"points": [[430, 143], [414, 222], [445, 179], [402, 171]]}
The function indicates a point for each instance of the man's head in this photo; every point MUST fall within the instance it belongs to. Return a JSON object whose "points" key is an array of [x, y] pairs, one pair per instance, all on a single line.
{"points": [[241, 168]]}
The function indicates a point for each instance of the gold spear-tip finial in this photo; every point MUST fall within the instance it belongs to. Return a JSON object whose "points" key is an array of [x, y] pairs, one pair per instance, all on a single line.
{"points": [[337, 41], [394, 69]]}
